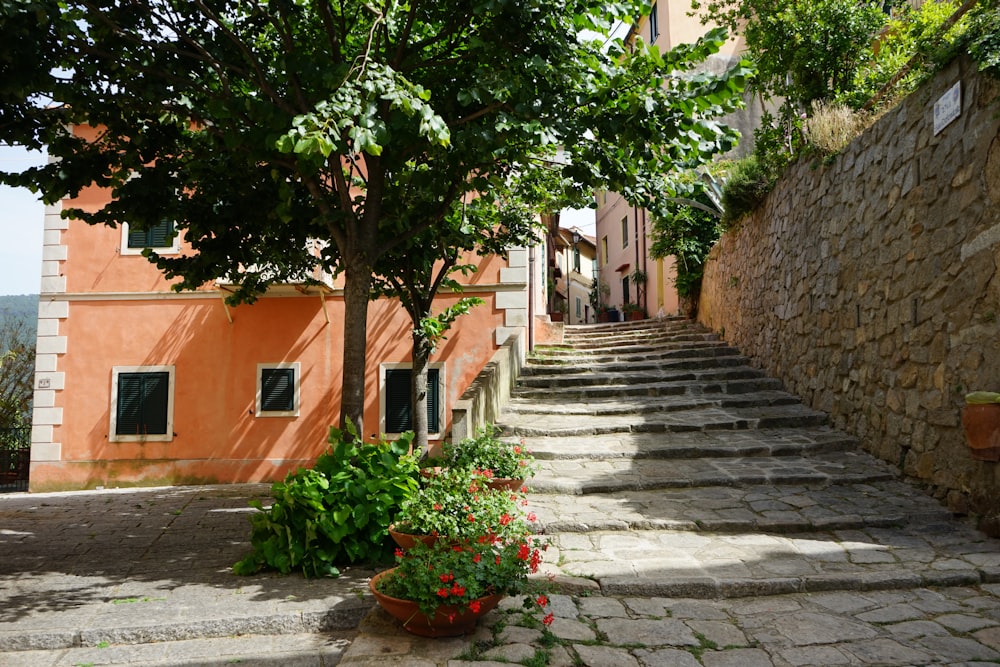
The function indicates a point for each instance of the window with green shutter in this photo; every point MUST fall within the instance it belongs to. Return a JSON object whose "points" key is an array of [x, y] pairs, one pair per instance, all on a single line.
{"points": [[398, 407], [277, 389], [160, 235], [142, 404]]}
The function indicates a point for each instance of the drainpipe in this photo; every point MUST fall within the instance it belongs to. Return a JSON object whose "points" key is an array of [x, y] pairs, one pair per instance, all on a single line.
{"points": [[645, 265], [531, 298]]}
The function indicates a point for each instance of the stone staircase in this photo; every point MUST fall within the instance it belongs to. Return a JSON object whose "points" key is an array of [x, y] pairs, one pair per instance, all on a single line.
{"points": [[668, 466]]}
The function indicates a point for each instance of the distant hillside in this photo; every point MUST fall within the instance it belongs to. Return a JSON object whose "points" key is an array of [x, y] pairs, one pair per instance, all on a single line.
{"points": [[23, 307]]}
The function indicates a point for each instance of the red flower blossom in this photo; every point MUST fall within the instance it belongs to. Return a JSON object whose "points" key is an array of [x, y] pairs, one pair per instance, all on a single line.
{"points": [[456, 590], [476, 558], [443, 592], [523, 552], [438, 507], [457, 548], [548, 619], [505, 519], [447, 578], [399, 552], [542, 600], [532, 517], [471, 518], [474, 606]]}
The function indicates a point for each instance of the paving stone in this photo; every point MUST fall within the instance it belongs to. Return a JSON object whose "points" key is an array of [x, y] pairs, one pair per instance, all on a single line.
{"points": [[815, 656], [720, 633], [913, 629], [891, 614], [668, 657], [572, 630], [605, 656], [647, 632], [881, 651], [741, 657], [958, 648], [510, 652], [964, 622], [602, 607]]}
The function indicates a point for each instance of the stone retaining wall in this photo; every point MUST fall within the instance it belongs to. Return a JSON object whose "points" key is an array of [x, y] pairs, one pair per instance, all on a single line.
{"points": [[869, 285]]}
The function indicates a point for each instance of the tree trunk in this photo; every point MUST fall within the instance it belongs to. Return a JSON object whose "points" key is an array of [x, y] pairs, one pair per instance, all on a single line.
{"points": [[418, 412], [357, 284]]}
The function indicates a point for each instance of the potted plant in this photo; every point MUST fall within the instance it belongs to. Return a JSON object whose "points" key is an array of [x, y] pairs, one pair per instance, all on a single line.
{"points": [[981, 421], [506, 464], [599, 293], [633, 311], [457, 504], [441, 590]]}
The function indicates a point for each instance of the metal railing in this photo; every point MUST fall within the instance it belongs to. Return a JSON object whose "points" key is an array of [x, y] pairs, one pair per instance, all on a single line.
{"points": [[15, 457]]}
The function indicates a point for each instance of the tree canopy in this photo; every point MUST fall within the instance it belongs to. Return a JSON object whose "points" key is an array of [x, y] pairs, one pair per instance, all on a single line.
{"points": [[260, 126]]}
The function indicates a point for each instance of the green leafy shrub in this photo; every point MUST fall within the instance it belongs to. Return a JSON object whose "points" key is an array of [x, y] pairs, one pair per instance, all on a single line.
{"points": [[749, 182], [459, 503], [337, 512], [487, 452]]}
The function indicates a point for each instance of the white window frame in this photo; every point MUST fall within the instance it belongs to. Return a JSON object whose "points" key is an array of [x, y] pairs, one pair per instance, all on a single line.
{"points": [[173, 249], [442, 396], [113, 436], [297, 370]]}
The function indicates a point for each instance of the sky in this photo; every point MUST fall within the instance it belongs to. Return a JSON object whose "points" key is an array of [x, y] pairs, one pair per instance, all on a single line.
{"points": [[22, 219]]}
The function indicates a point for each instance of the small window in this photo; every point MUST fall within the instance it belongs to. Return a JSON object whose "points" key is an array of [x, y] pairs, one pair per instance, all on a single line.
{"points": [[626, 295], [396, 404], [161, 236], [579, 308], [654, 24], [625, 232], [142, 401], [576, 260], [604, 249], [278, 390]]}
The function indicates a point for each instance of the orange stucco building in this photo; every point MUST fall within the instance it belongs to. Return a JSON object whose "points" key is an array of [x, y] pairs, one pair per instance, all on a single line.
{"points": [[137, 384]]}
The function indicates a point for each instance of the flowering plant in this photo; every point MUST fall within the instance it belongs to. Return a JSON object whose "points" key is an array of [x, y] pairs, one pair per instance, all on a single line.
{"points": [[458, 575], [459, 504], [487, 452]]}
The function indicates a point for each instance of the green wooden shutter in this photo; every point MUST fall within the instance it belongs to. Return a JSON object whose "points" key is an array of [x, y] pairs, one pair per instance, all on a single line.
{"points": [[158, 236], [277, 390], [142, 403], [398, 404]]}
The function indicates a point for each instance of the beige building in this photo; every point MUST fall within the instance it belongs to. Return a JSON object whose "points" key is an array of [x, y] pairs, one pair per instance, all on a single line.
{"points": [[573, 276], [624, 232]]}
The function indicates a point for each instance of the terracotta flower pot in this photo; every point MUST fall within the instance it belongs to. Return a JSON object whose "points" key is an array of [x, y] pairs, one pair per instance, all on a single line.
{"points": [[506, 483], [446, 621], [982, 430], [407, 540]]}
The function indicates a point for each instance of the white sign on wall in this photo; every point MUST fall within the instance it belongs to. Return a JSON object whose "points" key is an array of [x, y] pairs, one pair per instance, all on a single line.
{"points": [[948, 107]]}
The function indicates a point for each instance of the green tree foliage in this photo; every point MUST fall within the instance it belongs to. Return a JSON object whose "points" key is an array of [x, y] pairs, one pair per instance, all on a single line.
{"points": [[805, 50], [17, 361], [259, 127], [686, 226]]}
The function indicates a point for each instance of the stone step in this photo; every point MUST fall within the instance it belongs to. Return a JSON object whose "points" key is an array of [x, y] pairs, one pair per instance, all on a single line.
{"points": [[708, 418], [655, 405], [680, 563], [646, 355], [566, 354], [665, 323], [789, 508], [704, 384], [692, 444], [589, 476], [585, 344], [624, 373], [281, 650]]}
